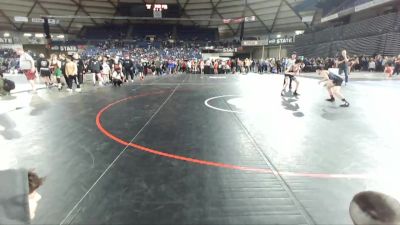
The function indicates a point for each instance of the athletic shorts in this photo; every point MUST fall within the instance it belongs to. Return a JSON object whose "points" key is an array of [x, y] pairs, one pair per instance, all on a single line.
{"points": [[44, 73], [57, 73], [291, 77], [337, 81], [30, 75]]}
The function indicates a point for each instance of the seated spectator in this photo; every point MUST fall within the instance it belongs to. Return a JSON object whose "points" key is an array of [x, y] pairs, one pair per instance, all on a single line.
{"points": [[117, 78], [5, 85]]}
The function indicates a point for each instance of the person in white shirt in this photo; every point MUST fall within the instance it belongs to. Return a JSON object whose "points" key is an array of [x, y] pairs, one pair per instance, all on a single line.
{"points": [[117, 77], [27, 65], [106, 70], [371, 65]]}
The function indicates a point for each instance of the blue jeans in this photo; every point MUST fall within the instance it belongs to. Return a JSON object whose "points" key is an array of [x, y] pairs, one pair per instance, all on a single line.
{"points": [[344, 68]]}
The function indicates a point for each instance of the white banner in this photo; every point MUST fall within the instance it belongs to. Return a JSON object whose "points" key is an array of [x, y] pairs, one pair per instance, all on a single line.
{"points": [[21, 19], [37, 20]]}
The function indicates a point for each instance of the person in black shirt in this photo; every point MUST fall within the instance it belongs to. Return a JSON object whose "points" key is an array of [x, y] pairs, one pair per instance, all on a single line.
{"points": [[81, 67], [127, 65], [44, 68], [343, 65], [95, 67]]}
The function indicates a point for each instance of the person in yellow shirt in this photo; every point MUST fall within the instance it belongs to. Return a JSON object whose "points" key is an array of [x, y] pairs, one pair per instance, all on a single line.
{"points": [[71, 71]]}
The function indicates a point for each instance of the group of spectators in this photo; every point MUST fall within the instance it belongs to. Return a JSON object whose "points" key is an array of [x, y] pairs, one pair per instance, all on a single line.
{"points": [[389, 65], [118, 65]]}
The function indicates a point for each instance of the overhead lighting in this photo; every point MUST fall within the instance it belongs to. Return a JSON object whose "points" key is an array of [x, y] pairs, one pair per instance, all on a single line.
{"points": [[27, 35], [39, 35], [6, 34], [60, 36], [298, 32], [278, 36]]}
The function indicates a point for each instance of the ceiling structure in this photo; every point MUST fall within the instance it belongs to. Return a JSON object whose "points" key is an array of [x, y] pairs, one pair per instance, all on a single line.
{"points": [[271, 16]]}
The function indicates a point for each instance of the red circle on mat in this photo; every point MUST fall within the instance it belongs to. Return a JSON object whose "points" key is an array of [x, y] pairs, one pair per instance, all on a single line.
{"points": [[205, 162]]}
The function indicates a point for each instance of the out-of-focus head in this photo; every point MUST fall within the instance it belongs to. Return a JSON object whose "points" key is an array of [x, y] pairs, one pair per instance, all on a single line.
{"points": [[371, 207], [75, 56], [294, 55], [41, 55], [34, 181], [19, 51], [344, 52]]}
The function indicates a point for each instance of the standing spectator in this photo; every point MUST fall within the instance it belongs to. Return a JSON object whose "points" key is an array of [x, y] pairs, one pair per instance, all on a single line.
{"points": [[216, 67], [44, 69], [95, 67], [81, 67], [63, 61], [343, 65], [27, 65], [55, 66], [71, 71], [201, 67], [371, 65], [397, 65], [105, 70]]}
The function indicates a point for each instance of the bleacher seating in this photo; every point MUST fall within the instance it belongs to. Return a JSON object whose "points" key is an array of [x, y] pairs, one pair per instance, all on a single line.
{"points": [[375, 35], [348, 4]]}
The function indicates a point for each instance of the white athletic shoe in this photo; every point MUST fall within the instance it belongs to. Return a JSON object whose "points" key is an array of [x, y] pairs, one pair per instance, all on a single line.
{"points": [[78, 90], [132, 81], [69, 90]]}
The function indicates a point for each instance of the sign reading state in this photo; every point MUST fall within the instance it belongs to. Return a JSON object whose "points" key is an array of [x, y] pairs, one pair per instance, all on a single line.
{"points": [[6, 40], [273, 41]]}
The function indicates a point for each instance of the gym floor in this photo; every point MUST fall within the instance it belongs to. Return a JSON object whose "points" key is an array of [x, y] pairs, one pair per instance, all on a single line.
{"points": [[193, 149]]}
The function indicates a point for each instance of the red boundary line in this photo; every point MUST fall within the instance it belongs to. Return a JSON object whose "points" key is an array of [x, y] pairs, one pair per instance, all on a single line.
{"points": [[205, 162]]}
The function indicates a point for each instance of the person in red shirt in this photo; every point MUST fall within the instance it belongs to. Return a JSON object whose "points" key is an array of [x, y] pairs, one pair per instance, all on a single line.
{"points": [[216, 67]]}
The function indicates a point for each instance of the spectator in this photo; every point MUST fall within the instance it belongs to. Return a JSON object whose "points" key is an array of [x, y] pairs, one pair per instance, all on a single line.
{"points": [[117, 77], [4, 87], [397, 65], [71, 71], [27, 65], [371, 65]]}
